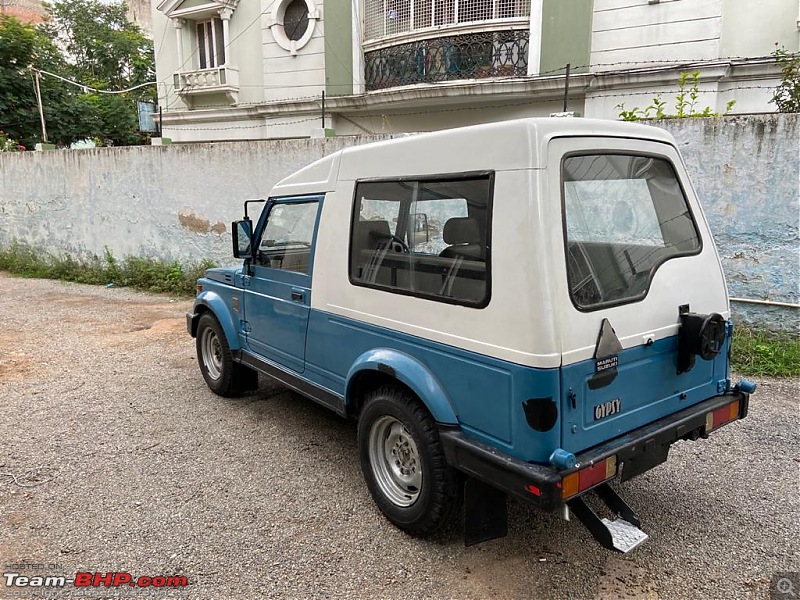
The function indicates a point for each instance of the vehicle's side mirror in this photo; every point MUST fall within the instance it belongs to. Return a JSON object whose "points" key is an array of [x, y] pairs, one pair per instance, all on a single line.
{"points": [[242, 232], [421, 233]]}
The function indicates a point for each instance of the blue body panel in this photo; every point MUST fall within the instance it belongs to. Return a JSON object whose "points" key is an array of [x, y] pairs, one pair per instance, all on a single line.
{"points": [[486, 394], [277, 323], [217, 297], [647, 387], [409, 371], [277, 302]]}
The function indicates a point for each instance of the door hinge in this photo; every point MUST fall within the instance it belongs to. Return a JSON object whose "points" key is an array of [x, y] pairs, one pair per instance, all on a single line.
{"points": [[573, 399], [244, 326]]}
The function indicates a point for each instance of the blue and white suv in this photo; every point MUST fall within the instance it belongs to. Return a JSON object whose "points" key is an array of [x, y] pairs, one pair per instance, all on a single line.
{"points": [[532, 308]]}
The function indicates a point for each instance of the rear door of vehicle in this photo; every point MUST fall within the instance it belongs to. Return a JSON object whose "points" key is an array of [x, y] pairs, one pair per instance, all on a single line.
{"points": [[635, 252]]}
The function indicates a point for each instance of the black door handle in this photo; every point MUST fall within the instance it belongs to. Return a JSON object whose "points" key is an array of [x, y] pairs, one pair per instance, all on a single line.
{"points": [[297, 296]]}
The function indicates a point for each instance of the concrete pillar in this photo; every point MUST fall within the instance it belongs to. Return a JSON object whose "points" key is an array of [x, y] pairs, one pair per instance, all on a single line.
{"points": [[179, 40], [225, 14]]}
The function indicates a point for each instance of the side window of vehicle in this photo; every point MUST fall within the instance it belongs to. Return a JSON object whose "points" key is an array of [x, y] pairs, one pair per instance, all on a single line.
{"points": [[287, 237], [428, 238]]}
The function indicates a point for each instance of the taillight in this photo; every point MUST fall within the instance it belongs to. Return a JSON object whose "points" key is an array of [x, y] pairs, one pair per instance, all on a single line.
{"points": [[199, 287], [722, 415], [588, 477]]}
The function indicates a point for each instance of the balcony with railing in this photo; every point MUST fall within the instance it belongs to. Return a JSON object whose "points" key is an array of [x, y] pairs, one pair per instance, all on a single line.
{"points": [[201, 82], [428, 41]]}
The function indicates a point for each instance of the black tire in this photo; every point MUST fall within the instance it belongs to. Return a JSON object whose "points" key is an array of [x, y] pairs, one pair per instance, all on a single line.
{"points": [[392, 417], [223, 376]]}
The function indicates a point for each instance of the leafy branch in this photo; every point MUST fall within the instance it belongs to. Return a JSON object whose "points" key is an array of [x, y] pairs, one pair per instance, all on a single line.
{"points": [[7, 144], [685, 103], [787, 94]]}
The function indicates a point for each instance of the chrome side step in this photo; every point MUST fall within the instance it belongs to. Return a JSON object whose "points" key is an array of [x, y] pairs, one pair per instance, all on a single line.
{"points": [[621, 535]]}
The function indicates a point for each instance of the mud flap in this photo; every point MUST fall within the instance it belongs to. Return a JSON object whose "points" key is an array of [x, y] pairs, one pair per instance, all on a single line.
{"points": [[621, 535], [485, 513]]}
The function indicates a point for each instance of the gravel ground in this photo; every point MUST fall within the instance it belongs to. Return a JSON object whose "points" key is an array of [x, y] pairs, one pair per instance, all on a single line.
{"points": [[142, 469]]}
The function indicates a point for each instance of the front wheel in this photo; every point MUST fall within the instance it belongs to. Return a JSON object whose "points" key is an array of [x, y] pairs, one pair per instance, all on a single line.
{"points": [[403, 462], [223, 376]]}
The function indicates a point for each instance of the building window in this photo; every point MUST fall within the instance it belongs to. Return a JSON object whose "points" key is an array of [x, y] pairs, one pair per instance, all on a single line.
{"points": [[293, 23], [427, 238], [295, 20], [211, 43], [383, 18]]}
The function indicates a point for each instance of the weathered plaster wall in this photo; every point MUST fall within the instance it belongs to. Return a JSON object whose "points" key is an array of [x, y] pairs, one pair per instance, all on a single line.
{"points": [[172, 202], [177, 202], [746, 171]]}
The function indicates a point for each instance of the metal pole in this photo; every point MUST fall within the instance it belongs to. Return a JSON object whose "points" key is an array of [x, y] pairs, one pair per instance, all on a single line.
{"points": [[766, 302], [323, 109], [566, 88], [160, 122], [38, 91]]}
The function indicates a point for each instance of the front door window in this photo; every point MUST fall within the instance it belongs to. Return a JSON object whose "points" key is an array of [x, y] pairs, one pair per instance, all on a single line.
{"points": [[286, 241]]}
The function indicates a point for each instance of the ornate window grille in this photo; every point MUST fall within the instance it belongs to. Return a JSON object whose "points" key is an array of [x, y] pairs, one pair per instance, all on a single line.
{"points": [[473, 55]]}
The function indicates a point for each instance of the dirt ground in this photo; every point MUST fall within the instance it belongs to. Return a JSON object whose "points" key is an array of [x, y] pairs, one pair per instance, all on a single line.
{"points": [[114, 456]]}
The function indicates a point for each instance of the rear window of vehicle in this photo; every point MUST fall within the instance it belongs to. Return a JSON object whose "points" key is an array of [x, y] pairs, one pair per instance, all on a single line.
{"points": [[624, 216]]}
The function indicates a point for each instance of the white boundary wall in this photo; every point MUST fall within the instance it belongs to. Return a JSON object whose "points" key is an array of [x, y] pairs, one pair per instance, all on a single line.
{"points": [[177, 202]]}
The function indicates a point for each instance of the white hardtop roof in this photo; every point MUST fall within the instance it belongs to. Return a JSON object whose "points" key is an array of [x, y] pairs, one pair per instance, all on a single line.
{"points": [[503, 146]]}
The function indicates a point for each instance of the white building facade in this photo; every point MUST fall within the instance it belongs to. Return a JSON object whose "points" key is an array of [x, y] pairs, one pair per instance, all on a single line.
{"points": [[260, 69]]}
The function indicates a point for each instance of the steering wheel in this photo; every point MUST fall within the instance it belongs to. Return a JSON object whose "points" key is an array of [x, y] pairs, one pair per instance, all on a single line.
{"points": [[403, 246]]}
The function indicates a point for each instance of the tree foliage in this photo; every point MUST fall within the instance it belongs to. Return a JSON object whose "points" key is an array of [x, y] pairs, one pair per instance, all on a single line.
{"points": [[787, 94], [23, 47], [87, 41], [102, 46]]}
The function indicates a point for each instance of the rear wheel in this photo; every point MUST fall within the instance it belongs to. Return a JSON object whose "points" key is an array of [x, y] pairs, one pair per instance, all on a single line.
{"points": [[403, 462], [222, 375]]}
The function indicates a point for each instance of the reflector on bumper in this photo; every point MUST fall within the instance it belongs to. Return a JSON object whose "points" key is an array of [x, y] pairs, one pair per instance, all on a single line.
{"points": [[588, 477], [721, 416]]}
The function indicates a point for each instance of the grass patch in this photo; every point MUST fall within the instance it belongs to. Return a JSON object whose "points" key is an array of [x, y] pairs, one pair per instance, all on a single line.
{"points": [[146, 274], [761, 353]]}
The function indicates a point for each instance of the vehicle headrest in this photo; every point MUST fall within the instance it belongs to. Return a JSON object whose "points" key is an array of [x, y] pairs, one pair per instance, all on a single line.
{"points": [[374, 231], [462, 230]]}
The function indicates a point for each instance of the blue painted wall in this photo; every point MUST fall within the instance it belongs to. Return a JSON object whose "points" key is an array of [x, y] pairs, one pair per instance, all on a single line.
{"points": [[746, 170]]}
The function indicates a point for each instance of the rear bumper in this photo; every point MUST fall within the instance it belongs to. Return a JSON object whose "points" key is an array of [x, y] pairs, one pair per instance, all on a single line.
{"points": [[636, 451]]}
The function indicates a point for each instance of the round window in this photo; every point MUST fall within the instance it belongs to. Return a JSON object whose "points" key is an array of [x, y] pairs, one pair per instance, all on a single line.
{"points": [[293, 23], [295, 19]]}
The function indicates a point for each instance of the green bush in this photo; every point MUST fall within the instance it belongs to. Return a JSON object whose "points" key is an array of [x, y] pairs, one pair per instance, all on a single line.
{"points": [[146, 274]]}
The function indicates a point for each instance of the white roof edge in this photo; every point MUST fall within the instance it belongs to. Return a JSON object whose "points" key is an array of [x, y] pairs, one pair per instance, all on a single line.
{"points": [[321, 175]]}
